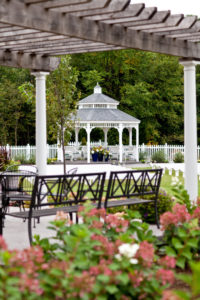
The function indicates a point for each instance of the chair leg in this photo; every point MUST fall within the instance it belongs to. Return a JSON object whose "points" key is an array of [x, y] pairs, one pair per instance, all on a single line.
{"points": [[1, 221], [30, 230], [156, 215]]}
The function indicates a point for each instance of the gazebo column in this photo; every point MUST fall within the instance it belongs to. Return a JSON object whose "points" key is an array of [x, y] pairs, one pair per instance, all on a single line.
{"points": [[120, 129], [190, 129], [130, 136], [76, 136], [88, 130], [41, 135], [137, 143], [105, 130]]}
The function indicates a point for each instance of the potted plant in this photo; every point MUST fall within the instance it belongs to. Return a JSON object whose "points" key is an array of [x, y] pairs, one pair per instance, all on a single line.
{"points": [[94, 153], [107, 155], [100, 153]]}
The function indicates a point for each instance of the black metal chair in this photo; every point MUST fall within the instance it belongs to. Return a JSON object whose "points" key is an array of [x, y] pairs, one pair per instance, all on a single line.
{"points": [[17, 186]]}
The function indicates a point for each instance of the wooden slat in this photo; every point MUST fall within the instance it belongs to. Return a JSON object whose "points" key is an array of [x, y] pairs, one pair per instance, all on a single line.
{"points": [[92, 5], [130, 12], [27, 44], [52, 47], [113, 7], [56, 3], [157, 21], [185, 24], [85, 50]]}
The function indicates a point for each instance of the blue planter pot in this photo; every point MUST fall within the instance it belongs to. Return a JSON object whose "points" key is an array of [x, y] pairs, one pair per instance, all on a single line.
{"points": [[107, 158], [95, 156], [100, 157]]}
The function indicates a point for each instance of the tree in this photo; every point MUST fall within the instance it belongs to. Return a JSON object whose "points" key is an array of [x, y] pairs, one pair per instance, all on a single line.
{"points": [[149, 86], [62, 101]]}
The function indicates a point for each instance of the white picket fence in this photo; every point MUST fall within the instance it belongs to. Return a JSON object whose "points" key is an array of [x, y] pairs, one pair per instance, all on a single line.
{"points": [[29, 151], [169, 150]]}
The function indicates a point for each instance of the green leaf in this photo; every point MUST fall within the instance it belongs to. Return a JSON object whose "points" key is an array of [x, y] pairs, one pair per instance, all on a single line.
{"points": [[182, 232], [193, 242], [170, 251], [112, 289], [180, 262], [177, 243], [103, 278], [123, 278], [183, 295], [187, 253]]}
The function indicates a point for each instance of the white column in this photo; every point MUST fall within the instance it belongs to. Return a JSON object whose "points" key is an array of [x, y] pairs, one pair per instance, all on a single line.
{"points": [[76, 136], [88, 142], [105, 130], [130, 136], [120, 129], [41, 135], [137, 143], [190, 129]]}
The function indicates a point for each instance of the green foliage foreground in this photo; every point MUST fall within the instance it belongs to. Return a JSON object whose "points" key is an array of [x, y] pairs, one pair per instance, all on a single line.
{"points": [[105, 257], [108, 256]]}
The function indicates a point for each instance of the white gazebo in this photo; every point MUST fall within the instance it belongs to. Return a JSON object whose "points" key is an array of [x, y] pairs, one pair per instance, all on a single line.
{"points": [[99, 110]]}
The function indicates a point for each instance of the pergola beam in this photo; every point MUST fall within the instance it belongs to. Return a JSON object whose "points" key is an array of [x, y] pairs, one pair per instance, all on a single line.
{"points": [[27, 61], [17, 13]]}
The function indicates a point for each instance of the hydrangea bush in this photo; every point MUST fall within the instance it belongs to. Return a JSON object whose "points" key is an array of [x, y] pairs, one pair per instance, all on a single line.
{"points": [[182, 233], [105, 257]]}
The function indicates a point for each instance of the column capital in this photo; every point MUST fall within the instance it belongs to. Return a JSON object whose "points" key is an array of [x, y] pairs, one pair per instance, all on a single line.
{"points": [[189, 63], [40, 75], [88, 128]]}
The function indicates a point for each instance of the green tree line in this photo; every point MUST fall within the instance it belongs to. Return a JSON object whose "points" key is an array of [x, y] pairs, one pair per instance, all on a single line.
{"points": [[148, 86]]}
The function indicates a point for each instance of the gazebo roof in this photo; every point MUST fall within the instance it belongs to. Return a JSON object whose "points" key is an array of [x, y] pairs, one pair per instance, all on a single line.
{"points": [[104, 115], [98, 98], [100, 108]]}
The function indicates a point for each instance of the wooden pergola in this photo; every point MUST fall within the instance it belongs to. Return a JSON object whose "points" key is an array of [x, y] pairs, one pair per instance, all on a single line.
{"points": [[34, 32]]}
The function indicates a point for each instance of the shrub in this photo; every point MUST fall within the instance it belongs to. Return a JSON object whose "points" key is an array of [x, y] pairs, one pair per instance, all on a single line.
{"points": [[23, 160], [101, 258], [4, 158], [142, 156], [181, 234], [147, 210], [178, 157], [159, 157]]}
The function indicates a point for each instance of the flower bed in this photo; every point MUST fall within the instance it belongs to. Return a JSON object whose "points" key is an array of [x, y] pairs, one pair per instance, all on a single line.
{"points": [[108, 256]]}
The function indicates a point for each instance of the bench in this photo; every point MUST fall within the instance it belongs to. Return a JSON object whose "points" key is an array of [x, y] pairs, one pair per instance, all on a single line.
{"points": [[127, 188], [55, 193], [66, 193]]}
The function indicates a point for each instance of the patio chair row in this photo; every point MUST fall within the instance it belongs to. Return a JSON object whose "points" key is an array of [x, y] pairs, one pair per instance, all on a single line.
{"points": [[67, 193]]}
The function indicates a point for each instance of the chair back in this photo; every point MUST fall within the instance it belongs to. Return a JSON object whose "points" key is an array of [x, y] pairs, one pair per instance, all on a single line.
{"points": [[17, 181], [133, 183], [69, 189]]}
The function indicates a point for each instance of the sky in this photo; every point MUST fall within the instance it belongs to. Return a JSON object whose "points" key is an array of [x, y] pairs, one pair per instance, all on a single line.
{"points": [[191, 7]]}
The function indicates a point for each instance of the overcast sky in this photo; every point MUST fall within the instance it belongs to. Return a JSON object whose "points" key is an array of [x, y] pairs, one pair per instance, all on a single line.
{"points": [[191, 7]]}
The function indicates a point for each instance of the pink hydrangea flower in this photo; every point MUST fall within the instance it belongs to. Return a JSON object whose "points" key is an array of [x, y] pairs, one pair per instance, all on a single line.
{"points": [[145, 253], [170, 295], [3, 245], [165, 276], [168, 262]]}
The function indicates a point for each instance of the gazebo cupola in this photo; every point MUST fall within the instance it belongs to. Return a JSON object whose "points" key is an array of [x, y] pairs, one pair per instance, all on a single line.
{"points": [[99, 110], [98, 100]]}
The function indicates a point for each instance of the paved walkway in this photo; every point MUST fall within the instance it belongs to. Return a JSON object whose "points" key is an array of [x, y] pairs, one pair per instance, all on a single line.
{"points": [[16, 231]]}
